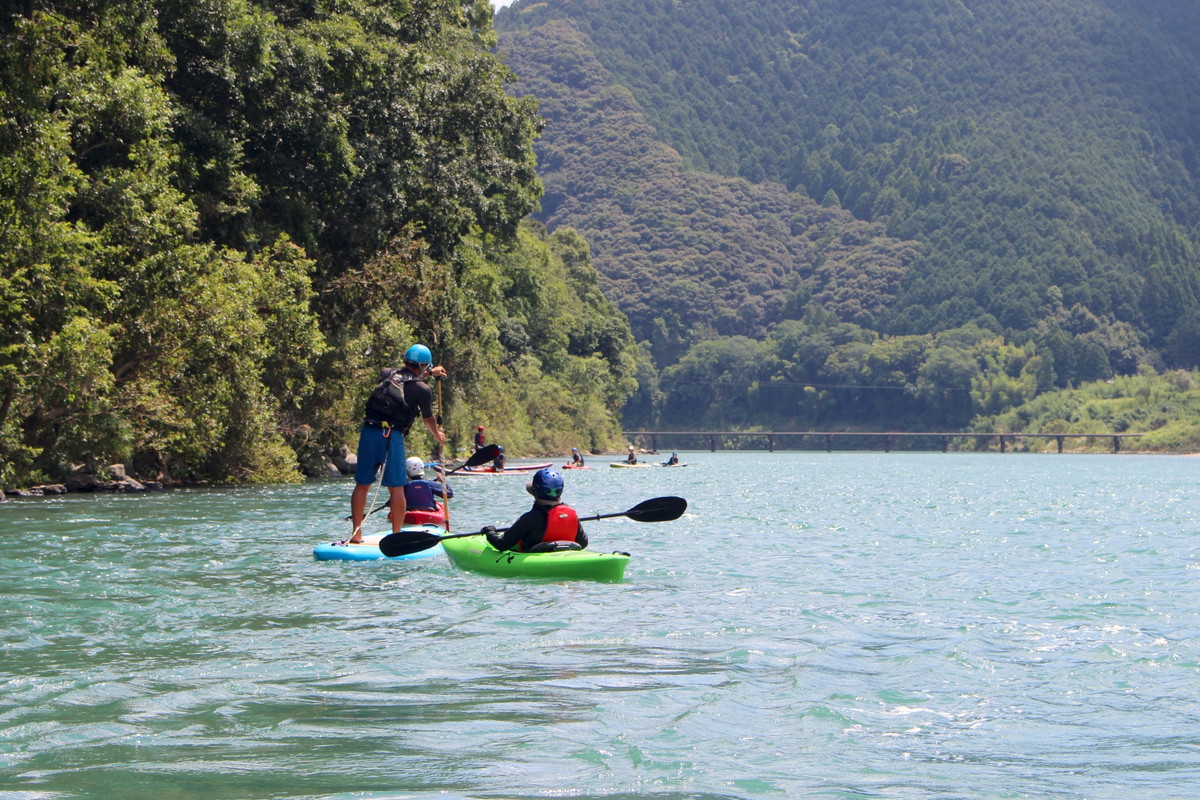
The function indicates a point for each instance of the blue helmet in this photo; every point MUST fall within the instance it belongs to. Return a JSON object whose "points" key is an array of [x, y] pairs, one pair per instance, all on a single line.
{"points": [[547, 484], [419, 354]]}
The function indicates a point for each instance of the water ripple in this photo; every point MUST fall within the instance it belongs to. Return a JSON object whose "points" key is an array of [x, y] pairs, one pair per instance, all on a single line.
{"points": [[828, 625]]}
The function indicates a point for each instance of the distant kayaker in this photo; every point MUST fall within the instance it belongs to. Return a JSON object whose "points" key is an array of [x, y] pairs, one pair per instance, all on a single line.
{"points": [[499, 461], [480, 440], [673, 460], [631, 458], [576, 458], [394, 404], [549, 521]]}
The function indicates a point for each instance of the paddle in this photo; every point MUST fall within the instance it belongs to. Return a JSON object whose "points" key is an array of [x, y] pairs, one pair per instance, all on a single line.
{"points": [[480, 456], [441, 476], [658, 509]]}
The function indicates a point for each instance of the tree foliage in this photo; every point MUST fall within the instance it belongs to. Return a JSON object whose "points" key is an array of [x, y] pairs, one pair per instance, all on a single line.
{"points": [[219, 220], [1024, 167]]}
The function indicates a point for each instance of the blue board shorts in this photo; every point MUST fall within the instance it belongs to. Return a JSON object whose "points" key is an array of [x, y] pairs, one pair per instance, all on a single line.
{"points": [[375, 449]]}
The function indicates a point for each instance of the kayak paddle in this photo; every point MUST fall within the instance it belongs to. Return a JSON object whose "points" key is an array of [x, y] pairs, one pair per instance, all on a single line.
{"points": [[441, 476], [658, 509], [480, 456]]}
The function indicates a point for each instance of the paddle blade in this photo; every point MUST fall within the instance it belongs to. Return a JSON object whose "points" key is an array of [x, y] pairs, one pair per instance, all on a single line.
{"points": [[403, 543], [658, 509], [481, 456]]}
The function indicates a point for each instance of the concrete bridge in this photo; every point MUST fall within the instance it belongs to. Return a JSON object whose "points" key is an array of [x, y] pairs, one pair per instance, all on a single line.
{"points": [[771, 440]]}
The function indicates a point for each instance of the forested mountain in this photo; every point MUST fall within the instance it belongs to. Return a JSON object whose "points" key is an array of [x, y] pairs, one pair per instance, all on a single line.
{"points": [[1013, 185], [218, 221]]}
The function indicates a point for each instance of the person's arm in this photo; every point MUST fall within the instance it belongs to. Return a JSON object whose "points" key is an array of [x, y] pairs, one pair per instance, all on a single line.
{"points": [[425, 406], [581, 537], [525, 524], [434, 430]]}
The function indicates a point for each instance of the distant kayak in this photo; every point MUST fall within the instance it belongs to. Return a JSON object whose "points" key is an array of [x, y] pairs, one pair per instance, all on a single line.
{"points": [[514, 470], [575, 466], [368, 548], [474, 554], [627, 465]]}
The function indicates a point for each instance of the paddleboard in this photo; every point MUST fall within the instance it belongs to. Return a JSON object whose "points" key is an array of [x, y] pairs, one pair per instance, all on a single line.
{"points": [[625, 465], [519, 469], [368, 548]]}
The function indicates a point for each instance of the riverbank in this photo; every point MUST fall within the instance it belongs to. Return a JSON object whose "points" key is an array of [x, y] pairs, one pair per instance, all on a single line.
{"points": [[113, 479]]}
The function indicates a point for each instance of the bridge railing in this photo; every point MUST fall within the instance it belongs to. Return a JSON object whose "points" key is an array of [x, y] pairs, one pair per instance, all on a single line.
{"points": [[771, 440]]}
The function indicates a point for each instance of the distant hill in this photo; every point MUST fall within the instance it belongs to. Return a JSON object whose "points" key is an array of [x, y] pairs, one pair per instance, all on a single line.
{"points": [[687, 254], [1031, 167]]}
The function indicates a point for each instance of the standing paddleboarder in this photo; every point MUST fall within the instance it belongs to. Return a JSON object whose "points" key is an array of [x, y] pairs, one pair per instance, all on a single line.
{"points": [[394, 404]]}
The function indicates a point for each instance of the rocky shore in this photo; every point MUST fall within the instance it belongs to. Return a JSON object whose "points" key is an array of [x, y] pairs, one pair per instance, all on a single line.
{"points": [[112, 479]]}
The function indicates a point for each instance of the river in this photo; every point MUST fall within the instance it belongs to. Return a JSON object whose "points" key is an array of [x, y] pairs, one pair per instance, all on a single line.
{"points": [[821, 625]]}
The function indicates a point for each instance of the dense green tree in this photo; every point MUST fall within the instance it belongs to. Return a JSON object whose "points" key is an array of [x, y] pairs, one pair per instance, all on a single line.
{"points": [[1019, 146], [219, 220]]}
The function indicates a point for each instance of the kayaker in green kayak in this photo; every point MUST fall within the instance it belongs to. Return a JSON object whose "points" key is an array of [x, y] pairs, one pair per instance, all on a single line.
{"points": [[549, 525]]}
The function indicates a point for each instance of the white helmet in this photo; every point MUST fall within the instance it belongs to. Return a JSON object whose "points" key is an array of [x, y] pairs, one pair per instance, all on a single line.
{"points": [[416, 467]]}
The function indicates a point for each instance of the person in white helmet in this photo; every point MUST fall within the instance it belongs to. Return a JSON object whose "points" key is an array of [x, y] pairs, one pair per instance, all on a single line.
{"points": [[419, 492], [421, 495]]}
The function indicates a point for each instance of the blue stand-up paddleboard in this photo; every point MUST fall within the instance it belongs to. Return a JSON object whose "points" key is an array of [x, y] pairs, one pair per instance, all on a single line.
{"points": [[368, 548]]}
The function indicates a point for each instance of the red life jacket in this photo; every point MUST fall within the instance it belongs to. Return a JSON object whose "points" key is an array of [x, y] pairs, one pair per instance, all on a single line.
{"points": [[562, 524], [420, 516]]}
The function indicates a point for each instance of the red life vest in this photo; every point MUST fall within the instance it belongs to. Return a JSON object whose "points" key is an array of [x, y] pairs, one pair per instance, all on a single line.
{"points": [[420, 516], [562, 524]]}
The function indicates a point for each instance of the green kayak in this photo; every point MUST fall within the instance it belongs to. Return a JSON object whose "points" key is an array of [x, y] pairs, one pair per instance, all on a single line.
{"points": [[474, 554]]}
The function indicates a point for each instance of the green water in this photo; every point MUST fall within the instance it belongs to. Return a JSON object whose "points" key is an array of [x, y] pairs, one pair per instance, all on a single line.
{"points": [[845, 625]]}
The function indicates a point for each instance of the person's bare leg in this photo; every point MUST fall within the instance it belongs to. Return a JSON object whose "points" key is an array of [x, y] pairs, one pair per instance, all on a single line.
{"points": [[358, 507]]}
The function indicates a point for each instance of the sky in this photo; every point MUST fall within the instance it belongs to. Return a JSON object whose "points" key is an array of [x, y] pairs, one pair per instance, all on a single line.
{"points": [[501, 3]]}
